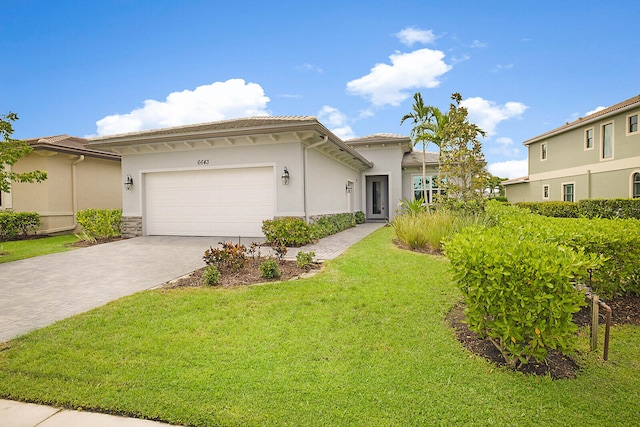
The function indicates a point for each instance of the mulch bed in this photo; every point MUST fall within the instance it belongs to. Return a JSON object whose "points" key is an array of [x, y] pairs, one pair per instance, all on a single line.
{"points": [[625, 310], [558, 366], [248, 275]]}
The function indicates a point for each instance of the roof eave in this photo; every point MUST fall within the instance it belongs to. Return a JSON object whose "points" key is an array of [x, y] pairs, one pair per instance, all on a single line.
{"points": [[581, 122]]}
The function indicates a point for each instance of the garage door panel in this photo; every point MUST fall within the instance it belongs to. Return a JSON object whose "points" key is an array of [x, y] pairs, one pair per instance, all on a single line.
{"points": [[226, 202]]}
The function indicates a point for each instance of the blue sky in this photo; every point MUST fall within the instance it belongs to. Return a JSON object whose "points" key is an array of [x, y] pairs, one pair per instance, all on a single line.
{"points": [[97, 67]]}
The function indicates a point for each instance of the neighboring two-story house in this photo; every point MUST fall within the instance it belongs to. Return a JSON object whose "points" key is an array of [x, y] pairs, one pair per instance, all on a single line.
{"points": [[597, 156]]}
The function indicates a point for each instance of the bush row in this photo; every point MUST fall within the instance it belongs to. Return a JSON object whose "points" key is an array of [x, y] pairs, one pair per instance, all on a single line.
{"points": [[100, 223], [18, 224], [616, 240], [293, 231], [588, 208], [518, 274]]}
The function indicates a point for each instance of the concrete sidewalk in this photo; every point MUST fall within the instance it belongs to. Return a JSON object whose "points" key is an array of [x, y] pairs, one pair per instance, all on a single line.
{"points": [[39, 291]]}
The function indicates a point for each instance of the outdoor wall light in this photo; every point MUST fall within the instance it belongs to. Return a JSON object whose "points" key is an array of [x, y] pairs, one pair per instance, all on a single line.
{"points": [[349, 187], [128, 183], [285, 176]]}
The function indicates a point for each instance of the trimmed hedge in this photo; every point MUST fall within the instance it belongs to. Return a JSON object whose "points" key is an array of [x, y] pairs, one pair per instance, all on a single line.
{"points": [[100, 223], [552, 209], [610, 208], [588, 208], [617, 240], [18, 224], [332, 224], [293, 231]]}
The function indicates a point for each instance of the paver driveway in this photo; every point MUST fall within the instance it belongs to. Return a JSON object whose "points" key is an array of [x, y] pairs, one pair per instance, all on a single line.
{"points": [[36, 292]]}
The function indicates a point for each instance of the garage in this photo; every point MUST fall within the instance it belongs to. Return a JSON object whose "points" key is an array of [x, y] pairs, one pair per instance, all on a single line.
{"points": [[219, 202]]}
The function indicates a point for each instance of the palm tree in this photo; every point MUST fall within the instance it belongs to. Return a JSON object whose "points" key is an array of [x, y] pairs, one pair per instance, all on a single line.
{"points": [[428, 122], [435, 129]]}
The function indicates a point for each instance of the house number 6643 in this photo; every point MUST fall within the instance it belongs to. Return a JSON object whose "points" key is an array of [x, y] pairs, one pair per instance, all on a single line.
{"points": [[203, 162]]}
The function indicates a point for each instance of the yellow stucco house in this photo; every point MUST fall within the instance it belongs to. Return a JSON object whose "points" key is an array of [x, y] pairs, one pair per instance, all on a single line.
{"points": [[78, 178]]}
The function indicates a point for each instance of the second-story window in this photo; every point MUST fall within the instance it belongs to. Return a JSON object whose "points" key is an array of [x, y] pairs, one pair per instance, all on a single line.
{"points": [[632, 124], [543, 151], [588, 139], [607, 141]]}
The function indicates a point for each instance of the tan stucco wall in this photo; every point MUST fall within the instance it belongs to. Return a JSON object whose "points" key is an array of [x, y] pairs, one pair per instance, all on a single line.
{"points": [[568, 161], [97, 180]]}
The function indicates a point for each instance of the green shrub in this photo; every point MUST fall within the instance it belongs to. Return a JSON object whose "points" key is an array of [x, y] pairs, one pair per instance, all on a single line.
{"points": [[287, 231], [552, 209], [211, 276], [270, 269], [100, 223], [332, 224], [616, 240], [360, 218], [610, 208], [518, 291], [230, 255], [15, 224], [412, 207], [304, 259]]}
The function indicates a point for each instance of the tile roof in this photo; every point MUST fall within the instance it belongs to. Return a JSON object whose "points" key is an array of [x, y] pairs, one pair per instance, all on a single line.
{"points": [[240, 123], [414, 158], [68, 144], [376, 137], [614, 109]]}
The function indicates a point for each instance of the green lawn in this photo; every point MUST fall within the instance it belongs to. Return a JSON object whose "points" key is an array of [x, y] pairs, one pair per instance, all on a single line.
{"points": [[363, 343], [21, 249]]}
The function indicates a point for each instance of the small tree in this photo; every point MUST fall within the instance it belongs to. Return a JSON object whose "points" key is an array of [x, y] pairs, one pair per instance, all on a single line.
{"points": [[463, 162], [494, 185], [12, 150]]}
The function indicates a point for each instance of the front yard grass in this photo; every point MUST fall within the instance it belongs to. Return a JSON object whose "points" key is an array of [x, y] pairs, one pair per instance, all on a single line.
{"points": [[21, 249], [362, 343]]}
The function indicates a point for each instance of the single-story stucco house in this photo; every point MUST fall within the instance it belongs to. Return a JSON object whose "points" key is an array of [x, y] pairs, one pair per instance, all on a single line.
{"points": [[78, 177], [224, 178]]}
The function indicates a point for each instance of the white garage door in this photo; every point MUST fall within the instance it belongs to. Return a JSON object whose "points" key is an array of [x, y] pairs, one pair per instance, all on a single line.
{"points": [[222, 202]]}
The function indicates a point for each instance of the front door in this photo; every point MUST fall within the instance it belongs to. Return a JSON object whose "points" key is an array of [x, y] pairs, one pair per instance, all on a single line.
{"points": [[378, 198]]}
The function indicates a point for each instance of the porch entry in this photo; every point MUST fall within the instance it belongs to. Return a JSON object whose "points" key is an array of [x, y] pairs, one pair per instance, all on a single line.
{"points": [[377, 189]]}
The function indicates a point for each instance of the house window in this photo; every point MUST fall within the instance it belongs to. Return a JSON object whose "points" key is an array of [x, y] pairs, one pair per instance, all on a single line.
{"points": [[607, 141], [632, 124], [568, 192], [431, 187], [543, 151], [636, 185], [588, 139], [545, 192], [418, 192]]}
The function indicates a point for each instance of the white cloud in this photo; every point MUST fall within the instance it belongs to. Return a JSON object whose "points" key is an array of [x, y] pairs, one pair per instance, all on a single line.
{"points": [[595, 110], [310, 67], [478, 44], [336, 121], [411, 35], [487, 115], [503, 146], [217, 101], [500, 67], [389, 84], [509, 169]]}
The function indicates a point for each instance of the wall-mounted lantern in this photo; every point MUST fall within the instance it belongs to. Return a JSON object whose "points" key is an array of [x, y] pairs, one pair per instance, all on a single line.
{"points": [[349, 187], [128, 183], [285, 176]]}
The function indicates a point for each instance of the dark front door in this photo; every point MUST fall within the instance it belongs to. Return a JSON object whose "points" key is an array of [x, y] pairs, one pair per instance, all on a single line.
{"points": [[378, 198]]}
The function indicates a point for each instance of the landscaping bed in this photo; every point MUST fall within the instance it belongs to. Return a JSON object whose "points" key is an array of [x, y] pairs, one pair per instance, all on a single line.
{"points": [[248, 275]]}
